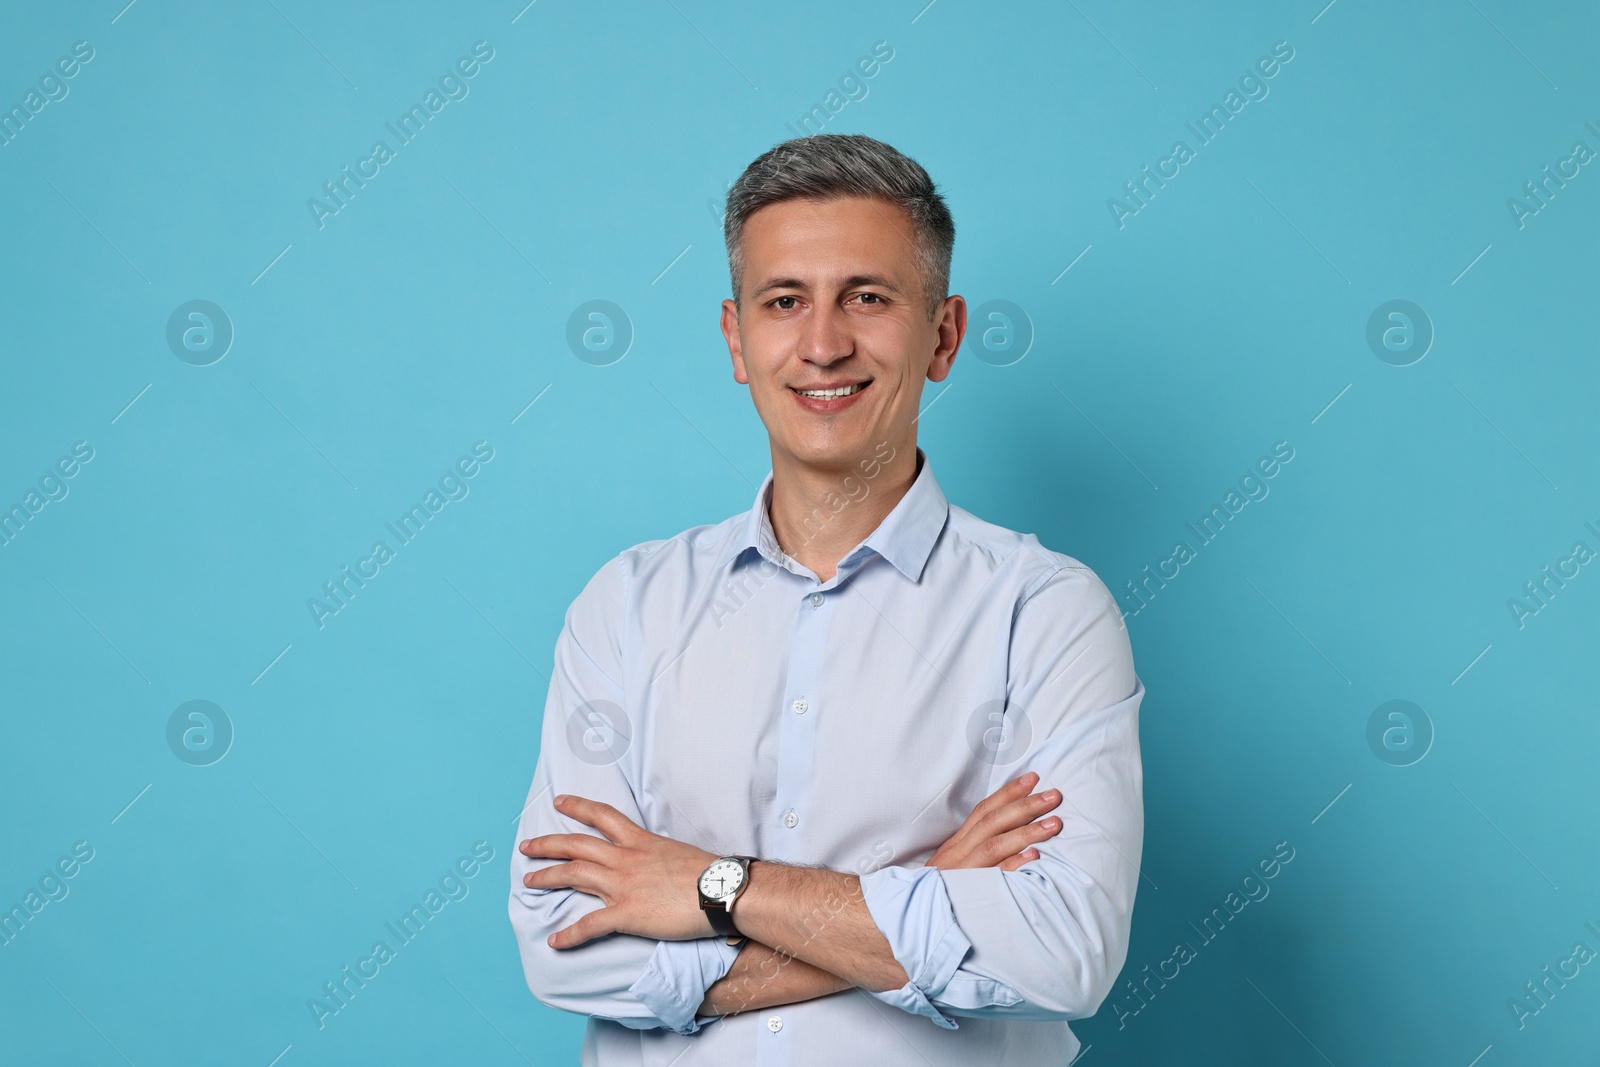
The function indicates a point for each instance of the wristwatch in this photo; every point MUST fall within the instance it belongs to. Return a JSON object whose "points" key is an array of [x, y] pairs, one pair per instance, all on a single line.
{"points": [[719, 885]]}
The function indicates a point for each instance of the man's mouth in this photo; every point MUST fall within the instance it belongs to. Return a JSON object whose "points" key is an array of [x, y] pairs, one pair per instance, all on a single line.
{"points": [[834, 393]]}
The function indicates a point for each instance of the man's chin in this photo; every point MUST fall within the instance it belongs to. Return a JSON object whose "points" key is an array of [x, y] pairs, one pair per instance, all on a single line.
{"points": [[836, 453]]}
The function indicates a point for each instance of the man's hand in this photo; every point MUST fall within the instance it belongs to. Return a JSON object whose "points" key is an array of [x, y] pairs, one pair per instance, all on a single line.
{"points": [[1001, 827], [762, 977], [647, 881]]}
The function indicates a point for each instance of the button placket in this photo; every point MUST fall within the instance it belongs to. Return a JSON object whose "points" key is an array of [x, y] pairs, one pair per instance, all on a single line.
{"points": [[798, 724]]}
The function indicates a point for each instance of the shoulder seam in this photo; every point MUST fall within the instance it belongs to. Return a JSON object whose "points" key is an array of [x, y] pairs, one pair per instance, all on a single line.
{"points": [[1026, 541], [1039, 583], [651, 547], [1056, 567]]}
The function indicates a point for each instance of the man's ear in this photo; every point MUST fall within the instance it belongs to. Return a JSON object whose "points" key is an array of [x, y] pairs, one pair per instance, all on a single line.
{"points": [[952, 328], [730, 333]]}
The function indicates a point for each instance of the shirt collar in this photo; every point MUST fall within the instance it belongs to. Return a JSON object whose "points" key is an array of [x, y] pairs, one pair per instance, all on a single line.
{"points": [[905, 537]]}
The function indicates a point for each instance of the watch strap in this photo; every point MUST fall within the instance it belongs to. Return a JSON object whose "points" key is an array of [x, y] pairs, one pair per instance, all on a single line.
{"points": [[721, 921]]}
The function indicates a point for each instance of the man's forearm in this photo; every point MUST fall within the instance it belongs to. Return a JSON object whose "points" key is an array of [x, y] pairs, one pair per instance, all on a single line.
{"points": [[819, 916], [762, 977]]}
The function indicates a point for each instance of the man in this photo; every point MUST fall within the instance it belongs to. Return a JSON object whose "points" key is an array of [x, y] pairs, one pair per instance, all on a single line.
{"points": [[818, 725]]}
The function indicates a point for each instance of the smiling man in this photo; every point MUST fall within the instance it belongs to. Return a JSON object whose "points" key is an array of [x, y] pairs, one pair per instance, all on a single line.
{"points": [[784, 811]]}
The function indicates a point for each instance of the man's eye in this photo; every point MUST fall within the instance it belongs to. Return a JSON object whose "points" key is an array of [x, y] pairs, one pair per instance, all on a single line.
{"points": [[781, 298], [874, 297]]}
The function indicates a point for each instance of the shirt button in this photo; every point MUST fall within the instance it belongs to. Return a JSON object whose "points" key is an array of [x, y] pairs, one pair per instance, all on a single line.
{"points": [[790, 819], [800, 706], [775, 1023], [816, 602]]}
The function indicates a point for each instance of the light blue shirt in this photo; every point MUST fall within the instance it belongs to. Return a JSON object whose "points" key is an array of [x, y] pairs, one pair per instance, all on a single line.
{"points": [[713, 690]]}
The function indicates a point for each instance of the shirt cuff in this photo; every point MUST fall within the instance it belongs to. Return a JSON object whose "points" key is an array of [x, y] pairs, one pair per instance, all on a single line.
{"points": [[676, 978], [912, 909]]}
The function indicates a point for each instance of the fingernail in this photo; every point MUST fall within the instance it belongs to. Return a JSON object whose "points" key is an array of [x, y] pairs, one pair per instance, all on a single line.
{"points": [[561, 797]]}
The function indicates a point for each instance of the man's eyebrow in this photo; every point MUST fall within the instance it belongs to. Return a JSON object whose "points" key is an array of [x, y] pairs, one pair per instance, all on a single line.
{"points": [[851, 282]]}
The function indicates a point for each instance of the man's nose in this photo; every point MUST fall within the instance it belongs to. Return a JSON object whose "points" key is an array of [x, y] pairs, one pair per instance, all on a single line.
{"points": [[827, 336]]}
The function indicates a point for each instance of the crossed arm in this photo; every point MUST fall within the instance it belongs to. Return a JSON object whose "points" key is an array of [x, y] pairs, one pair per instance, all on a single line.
{"points": [[808, 928], [1022, 933]]}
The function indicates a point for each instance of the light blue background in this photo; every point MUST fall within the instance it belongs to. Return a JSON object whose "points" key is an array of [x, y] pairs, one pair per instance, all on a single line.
{"points": [[591, 155]]}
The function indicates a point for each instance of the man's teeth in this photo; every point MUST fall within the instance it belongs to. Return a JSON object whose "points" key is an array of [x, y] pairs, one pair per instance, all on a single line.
{"points": [[829, 394]]}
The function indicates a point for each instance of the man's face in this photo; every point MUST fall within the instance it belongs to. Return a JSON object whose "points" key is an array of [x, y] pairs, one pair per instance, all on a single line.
{"points": [[832, 297]]}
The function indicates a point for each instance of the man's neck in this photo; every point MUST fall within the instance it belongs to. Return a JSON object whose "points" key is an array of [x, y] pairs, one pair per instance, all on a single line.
{"points": [[819, 515]]}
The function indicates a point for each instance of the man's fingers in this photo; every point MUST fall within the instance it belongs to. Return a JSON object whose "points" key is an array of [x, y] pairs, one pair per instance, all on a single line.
{"points": [[1017, 787], [585, 877], [1001, 825], [595, 924], [565, 847], [603, 817], [1010, 844], [1020, 812], [1019, 859], [993, 851], [1006, 794]]}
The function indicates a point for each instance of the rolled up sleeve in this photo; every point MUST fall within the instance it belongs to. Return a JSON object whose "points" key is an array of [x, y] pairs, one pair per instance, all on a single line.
{"points": [[912, 908], [675, 981], [585, 750], [1047, 940]]}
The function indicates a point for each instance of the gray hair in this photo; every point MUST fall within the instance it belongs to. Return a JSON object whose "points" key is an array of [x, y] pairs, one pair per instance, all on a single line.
{"points": [[827, 166]]}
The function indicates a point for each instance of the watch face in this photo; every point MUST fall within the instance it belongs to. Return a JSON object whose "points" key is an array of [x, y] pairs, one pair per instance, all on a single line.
{"points": [[721, 878]]}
